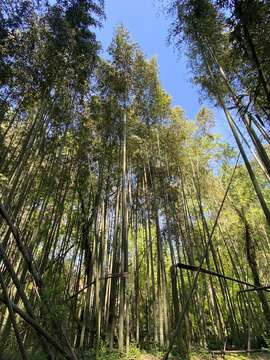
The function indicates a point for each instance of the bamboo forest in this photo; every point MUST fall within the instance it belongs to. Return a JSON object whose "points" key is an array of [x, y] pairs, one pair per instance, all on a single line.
{"points": [[129, 229]]}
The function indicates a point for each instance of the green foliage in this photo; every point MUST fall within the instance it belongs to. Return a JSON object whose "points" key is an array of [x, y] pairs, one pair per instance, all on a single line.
{"points": [[103, 353], [52, 297]]}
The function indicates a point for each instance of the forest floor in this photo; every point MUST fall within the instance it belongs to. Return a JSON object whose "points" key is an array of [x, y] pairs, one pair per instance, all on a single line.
{"points": [[141, 355], [207, 356]]}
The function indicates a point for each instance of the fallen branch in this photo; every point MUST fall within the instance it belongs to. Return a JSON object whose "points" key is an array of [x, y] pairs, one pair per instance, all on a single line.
{"points": [[266, 288], [236, 351], [213, 273]]}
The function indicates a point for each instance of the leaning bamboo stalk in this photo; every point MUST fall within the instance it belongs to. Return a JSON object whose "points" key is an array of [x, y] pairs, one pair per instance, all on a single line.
{"points": [[13, 319], [210, 236], [37, 327]]}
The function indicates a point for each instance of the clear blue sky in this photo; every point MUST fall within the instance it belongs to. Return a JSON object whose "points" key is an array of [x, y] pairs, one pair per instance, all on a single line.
{"points": [[148, 27]]}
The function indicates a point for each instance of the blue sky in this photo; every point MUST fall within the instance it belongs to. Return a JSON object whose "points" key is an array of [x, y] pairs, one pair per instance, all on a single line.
{"points": [[148, 27]]}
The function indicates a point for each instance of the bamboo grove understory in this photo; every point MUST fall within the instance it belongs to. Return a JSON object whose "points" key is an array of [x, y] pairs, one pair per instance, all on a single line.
{"points": [[122, 221]]}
